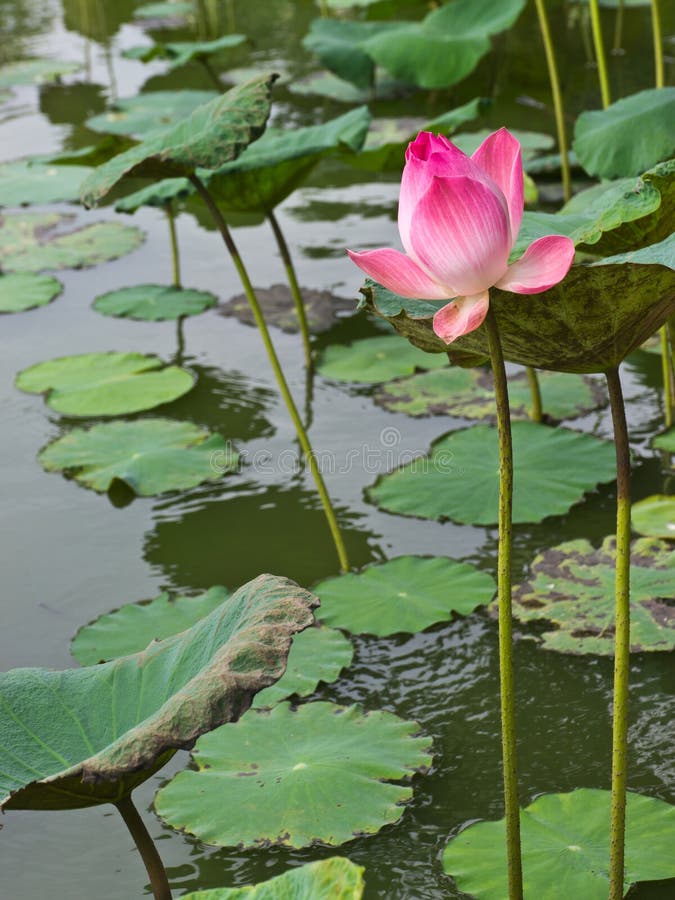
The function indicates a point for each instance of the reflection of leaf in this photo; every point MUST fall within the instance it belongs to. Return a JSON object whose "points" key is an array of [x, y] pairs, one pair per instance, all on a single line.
{"points": [[565, 839], [88, 736], [572, 587], [320, 773], [20, 291], [143, 114], [655, 516], [154, 302], [24, 182], [371, 360]]}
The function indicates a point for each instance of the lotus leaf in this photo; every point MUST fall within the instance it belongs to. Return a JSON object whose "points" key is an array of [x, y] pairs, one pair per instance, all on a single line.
{"points": [[572, 587], [28, 242], [161, 194], [105, 384], [322, 308], [154, 302], [565, 840], [179, 53], [655, 516], [459, 480], [320, 773], [90, 735], [150, 456], [324, 84], [163, 10], [371, 360], [25, 182], [36, 71], [666, 441], [23, 290], [339, 43], [145, 114], [403, 595]]}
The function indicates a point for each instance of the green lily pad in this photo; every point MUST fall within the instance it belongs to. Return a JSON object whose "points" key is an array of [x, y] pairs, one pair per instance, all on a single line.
{"points": [[20, 291], [629, 136], [655, 516], [154, 302], [322, 309], [24, 182], [179, 53], [371, 360], [459, 480], [28, 242], [572, 587], [665, 441], [149, 456], [469, 393], [324, 84], [403, 595], [335, 878], [105, 384], [153, 111], [212, 135], [338, 44], [162, 194], [320, 773], [164, 10], [90, 735], [565, 841], [36, 71]]}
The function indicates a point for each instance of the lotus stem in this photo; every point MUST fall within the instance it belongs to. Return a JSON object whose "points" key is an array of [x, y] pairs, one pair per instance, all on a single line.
{"points": [[173, 238], [600, 52], [294, 286], [667, 368], [537, 412], [557, 97], [617, 826], [221, 224], [146, 847], [211, 72], [618, 28], [659, 79], [506, 677]]}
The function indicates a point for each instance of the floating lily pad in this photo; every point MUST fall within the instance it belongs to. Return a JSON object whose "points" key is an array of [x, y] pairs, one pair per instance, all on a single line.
{"points": [[572, 587], [36, 71], [105, 384], [179, 53], [371, 360], [321, 773], [655, 517], [24, 182], [163, 10], [469, 393], [335, 878], [459, 480], [403, 595], [154, 302], [162, 194], [144, 114], [150, 456], [565, 841], [28, 242], [21, 290], [86, 736], [324, 84], [321, 307], [665, 441]]}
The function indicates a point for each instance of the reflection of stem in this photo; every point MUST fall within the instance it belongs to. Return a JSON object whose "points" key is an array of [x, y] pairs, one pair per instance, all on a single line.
{"points": [[618, 27], [294, 286], [175, 258], [600, 52], [276, 367], [666, 367], [658, 44], [621, 640], [557, 96], [506, 680], [180, 341], [146, 847], [309, 397], [536, 413]]}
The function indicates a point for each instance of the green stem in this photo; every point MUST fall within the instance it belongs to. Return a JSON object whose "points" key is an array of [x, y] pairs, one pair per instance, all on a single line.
{"points": [[506, 678], [621, 640], [146, 847], [276, 367], [618, 27], [537, 411], [600, 52], [658, 45], [557, 96], [294, 286], [666, 367], [173, 237]]}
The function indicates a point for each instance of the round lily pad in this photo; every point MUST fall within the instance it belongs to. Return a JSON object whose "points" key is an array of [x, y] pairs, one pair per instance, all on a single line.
{"points": [[150, 456], [469, 393], [321, 307], [152, 111], [376, 359], [36, 71], [459, 480], [154, 302], [571, 586], [87, 736], [325, 84], [105, 384], [24, 182], [320, 773], [655, 516], [565, 841], [665, 441], [24, 290], [403, 595]]}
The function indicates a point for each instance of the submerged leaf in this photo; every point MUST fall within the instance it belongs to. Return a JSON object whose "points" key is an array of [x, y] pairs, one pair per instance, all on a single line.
{"points": [[335, 878], [20, 291], [154, 302], [322, 309]]}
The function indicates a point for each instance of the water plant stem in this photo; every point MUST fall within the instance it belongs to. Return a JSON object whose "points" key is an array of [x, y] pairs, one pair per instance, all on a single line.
{"points": [[537, 411], [146, 847], [173, 238], [293, 285], [221, 224], [506, 677], [618, 27], [659, 79], [667, 369], [600, 58], [621, 640], [557, 97]]}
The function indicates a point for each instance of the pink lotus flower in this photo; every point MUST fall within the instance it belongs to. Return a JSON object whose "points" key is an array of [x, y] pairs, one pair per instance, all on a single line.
{"points": [[459, 218]]}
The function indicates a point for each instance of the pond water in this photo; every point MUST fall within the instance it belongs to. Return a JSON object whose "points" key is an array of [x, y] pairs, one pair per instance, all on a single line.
{"points": [[69, 555]]}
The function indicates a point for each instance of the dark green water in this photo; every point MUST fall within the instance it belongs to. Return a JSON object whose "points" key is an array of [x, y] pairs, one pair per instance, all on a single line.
{"points": [[69, 555]]}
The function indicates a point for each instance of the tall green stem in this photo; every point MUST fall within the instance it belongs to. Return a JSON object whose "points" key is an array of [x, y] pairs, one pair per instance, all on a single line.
{"points": [[557, 97], [506, 678], [618, 27], [537, 411], [146, 847], [600, 52], [667, 369], [173, 238], [278, 372], [294, 286], [659, 79], [621, 640]]}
